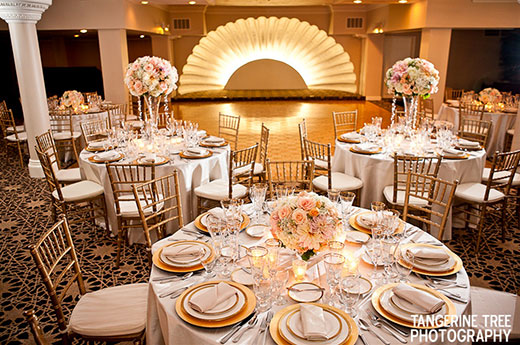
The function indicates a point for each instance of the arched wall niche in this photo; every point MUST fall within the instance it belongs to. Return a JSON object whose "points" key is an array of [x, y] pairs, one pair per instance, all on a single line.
{"points": [[265, 74], [316, 57]]}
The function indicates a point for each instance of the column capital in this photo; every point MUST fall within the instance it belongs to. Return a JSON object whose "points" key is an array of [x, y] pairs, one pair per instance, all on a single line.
{"points": [[23, 11]]}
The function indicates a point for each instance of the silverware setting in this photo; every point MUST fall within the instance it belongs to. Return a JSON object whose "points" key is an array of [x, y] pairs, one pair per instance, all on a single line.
{"points": [[183, 277], [384, 327], [263, 327], [365, 326], [176, 292], [249, 325], [405, 333], [236, 328]]}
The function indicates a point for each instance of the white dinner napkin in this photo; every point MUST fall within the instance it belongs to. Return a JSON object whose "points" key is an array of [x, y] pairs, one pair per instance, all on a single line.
{"points": [[367, 219], [351, 136], [453, 151], [367, 147], [149, 158], [211, 297], [196, 151], [217, 212], [313, 322], [107, 155], [468, 143], [97, 144], [435, 254], [201, 133], [214, 140], [184, 252], [417, 297]]}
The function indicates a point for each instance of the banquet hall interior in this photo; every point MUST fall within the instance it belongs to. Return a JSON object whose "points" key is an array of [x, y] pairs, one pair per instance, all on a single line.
{"points": [[259, 171]]}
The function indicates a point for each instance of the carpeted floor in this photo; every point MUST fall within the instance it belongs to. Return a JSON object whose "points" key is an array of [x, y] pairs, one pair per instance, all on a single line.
{"points": [[26, 214]]}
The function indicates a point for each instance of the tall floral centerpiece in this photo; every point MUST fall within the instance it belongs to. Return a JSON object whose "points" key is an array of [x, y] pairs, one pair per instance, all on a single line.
{"points": [[411, 78], [152, 78], [71, 99], [305, 223], [489, 95]]}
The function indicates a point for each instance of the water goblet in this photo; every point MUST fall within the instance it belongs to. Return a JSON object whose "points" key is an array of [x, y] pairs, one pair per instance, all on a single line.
{"points": [[403, 271], [209, 266], [257, 194], [262, 288], [333, 266], [336, 247], [333, 195], [378, 207], [280, 279], [257, 255], [347, 199], [373, 250], [350, 293]]}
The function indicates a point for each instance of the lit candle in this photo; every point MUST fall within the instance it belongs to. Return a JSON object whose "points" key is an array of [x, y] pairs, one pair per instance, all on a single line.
{"points": [[256, 256], [299, 268]]}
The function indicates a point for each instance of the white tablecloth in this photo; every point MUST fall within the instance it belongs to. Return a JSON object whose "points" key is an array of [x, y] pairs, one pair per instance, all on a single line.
{"points": [[377, 172], [165, 327], [192, 173], [501, 123]]}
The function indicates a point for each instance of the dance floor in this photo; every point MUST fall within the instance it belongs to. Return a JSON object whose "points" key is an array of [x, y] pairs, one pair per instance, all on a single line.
{"points": [[26, 214]]}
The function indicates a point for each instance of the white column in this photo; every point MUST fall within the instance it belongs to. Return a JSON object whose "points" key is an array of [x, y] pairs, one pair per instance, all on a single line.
{"points": [[371, 80], [113, 50], [435, 47], [21, 16]]}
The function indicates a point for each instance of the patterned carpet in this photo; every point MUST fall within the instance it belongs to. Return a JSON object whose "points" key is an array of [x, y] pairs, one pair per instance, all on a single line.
{"points": [[26, 214]]}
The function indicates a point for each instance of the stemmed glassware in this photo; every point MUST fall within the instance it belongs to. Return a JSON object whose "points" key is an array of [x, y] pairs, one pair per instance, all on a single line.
{"points": [[333, 265], [280, 279], [350, 293], [347, 199], [257, 194], [373, 250]]}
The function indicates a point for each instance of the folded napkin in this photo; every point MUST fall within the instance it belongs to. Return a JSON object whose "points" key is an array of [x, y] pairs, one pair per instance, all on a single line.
{"points": [[368, 219], [214, 140], [367, 147], [351, 136], [97, 144], [436, 254], [201, 133], [468, 143], [149, 158], [196, 151], [185, 252], [453, 151], [418, 297], [313, 322], [217, 212], [211, 297], [107, 155], [356, 236]]}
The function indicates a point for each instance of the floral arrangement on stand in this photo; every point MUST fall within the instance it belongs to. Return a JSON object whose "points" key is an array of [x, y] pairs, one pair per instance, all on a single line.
{"points": [[489, 95], [410, 78], [151, 77], [305, 223], [71, 99]]}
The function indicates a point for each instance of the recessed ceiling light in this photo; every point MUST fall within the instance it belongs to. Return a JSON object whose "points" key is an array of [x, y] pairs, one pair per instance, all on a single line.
{"points": [[141, 36], [403, 1], [83, 31], [192, 2], [76, 35], [357, 1], [144, 2]]}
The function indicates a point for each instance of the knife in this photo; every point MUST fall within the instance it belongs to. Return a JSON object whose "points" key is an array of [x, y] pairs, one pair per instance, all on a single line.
{"points": [[235, 329], [398, 330], [261, 329], [268, 318]]}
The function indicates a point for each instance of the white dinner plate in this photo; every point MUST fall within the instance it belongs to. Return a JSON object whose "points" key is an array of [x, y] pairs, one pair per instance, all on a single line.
{"points": [[357, 237], [391, 308], [204, 219], [434, 267], [312, 295], [364, 286], [186, 263], [366, 259], [257, 230], [237, 307]]}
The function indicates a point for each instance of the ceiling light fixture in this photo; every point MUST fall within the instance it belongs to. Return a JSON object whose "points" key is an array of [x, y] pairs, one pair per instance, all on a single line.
{"points": [[144, 2], [403, 1], [83, 31], [357, 1], [192, 2], [141, 36]]}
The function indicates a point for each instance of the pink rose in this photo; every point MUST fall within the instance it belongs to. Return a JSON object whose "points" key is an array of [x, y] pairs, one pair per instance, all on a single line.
{"points": [[284, 212], [306, 203], [138, 86], [148, 68], [299, 216]]}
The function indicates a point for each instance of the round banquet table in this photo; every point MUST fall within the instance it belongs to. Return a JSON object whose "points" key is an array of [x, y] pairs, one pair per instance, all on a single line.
{"points": [[192, 173], [165, 327], [501, 123], [377, 171]]}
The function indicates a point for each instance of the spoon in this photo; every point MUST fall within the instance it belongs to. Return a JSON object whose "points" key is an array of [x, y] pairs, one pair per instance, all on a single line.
{"points": [[168, 279], [366, 327]]}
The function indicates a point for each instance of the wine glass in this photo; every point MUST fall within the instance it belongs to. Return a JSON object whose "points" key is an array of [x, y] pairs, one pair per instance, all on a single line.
{"points": [[262, 288], [280, 279], [403, 271], [378, 207], [257, 195], [347, 199], [350, 292], [373, 250]]}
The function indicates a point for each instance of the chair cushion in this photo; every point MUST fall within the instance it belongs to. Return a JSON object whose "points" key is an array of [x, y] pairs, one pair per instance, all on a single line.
{"points": [[80, 191], [68, 175], [65, 135], [511, 131], [321, 164], [19, 128], [340, 181], [259, 168], [218, 190], [128, 206], [22, 136], [474, 192], [242, 170], [388, 192], [118, 310], [516, 178], [493, 302]]}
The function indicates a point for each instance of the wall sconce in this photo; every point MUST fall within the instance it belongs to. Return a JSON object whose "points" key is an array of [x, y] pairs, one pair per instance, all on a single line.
{"points": [[378, 29]]}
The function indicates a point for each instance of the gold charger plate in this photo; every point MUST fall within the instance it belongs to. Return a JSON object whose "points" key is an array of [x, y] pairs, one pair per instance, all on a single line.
{"points": [[200, 226], [98, 149], [182, 155], [213, 145], [274, 326], [349, 141], [156, 259], [377, 306], [353, 223], [352, 149], [474, 148], [163, 161], [94, 160], [249, 307], [457, 267], [450, 156]]}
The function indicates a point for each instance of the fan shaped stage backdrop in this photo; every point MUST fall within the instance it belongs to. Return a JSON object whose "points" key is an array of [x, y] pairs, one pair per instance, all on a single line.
{"points": [[268, 53]]}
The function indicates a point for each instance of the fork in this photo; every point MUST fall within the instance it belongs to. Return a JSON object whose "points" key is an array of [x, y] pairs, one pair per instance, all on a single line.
{"points": [[250, 324], [379, 325]]}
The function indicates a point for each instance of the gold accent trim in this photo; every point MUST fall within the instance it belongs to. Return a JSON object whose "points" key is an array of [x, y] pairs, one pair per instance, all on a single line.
{"points": [[156, 259], [352, 149], [225, 143], [164, 161], [183, 155], [457, 267], [296, 335], [94, 160], [205, 286], [198, 224], [349, 141], [301, 301]]}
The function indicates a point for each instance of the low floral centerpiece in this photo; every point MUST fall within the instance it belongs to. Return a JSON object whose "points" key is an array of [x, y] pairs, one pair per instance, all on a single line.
{"points": [[71, 99], [151, 77], [410, 78], [305, 223], [490, 95]]}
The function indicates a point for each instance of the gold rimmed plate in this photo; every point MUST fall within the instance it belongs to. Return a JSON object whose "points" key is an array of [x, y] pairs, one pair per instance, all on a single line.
{"points": [[357, 226], [469, 148], [349, 141], [96, 159], [305, 292], [452, 156], [365, 152], [187, 155], [454, 269], [200, 226], [333, 326], [249, 307], [223, 311], [156, 259], [208, 144], [98, 149], [159, 160], [348, 334], [382, 292]]}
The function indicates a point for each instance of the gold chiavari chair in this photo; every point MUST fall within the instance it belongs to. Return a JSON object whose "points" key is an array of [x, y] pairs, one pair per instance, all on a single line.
{"points": [[425, 110], [63, 131], [263, 153], [16, 139], [437, 196], [320, 154], [36, 330], [116, 115], [112, 314], [159, 205], [344, 122], [302, 130], [94, 130], [77, 199], [45, 143], [470, 111], [475, 130], [426, 165], [241, 167], [452, 93], [482, 201], [228, 126], [122, 177], [10, 129], [132, 107], [296, 175]]}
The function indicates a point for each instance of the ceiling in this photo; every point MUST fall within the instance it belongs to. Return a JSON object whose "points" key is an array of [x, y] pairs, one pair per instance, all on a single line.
{"points": [[272, 2]]}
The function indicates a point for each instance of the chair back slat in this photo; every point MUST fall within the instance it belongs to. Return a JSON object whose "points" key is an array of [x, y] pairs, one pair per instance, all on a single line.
{"points": [[36, 330], [425, 110], [228, 126], [241, 167], [452, 93], [302, 130], [502, 172], [264, 145], [318, 152], [94, 130], [290, 174], [344, 121], [116, 115], [61, 121], [45, 143], [49, 173], [476, 130]]}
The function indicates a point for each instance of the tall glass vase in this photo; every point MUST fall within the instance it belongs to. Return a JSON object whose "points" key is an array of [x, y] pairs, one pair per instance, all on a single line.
{"points": [[152, 108], [410, 112]]}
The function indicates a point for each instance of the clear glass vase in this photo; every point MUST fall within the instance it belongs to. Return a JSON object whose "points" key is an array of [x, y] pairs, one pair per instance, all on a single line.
{"points": [[410, 112]]}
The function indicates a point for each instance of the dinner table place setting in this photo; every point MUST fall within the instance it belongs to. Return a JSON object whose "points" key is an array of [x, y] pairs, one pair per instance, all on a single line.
{"points": [[195, 153], [183, 256], [213, 142], [106, 157], [98, 146], [468, 145], [429, 259], [350, 137], [203, 221], [366, 148], [151, 158]]}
